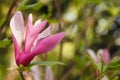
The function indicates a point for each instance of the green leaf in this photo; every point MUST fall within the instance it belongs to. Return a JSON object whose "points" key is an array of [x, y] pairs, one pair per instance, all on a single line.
{"points": [[35, 6], [4, 43], [104, 69], [47, 63], [114, 64], [22, 5]]}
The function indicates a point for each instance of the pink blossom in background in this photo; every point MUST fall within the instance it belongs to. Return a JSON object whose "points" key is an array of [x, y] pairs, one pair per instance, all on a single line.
{"points": [[96, 57], [36, 72], [48, 73], [105, 56], [35, 42]]}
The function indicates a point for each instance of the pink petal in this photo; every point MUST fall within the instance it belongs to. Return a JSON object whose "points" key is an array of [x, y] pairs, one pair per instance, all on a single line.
{"points": [[48, 43], [37, 22], [45, 33], [39, 26], [16, 48], [48, 73], [42, 35], [29, 24], [92, 54], [105, 78], [106, 56], [24, 59], [36, 72], [17, 27], [32, 35]]}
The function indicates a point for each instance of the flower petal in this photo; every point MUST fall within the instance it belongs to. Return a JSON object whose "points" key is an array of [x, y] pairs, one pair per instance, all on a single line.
{"points": [[36, 72], [17, 27], [16, 48], [105, 78], [92, 54], [48, 43], [42, 35], [106, 56], [48, 73], [37, 22], [24, 59], [29, 24], [39, 26], [32, 35], [45, 33]]}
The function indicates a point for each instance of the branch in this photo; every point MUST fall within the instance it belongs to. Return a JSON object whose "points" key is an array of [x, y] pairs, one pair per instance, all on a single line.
{"points": [[8, 15], [21, 75]]}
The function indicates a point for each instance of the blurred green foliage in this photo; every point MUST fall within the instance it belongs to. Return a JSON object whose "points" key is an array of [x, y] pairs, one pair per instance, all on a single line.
{"points": [[88, 24], [4, 43]]}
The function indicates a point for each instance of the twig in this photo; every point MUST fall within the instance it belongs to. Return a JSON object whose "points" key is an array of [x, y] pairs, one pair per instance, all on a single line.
{"points": [[21, 75], [58, 13], [68, 72], [8, 15], [59, 59]]}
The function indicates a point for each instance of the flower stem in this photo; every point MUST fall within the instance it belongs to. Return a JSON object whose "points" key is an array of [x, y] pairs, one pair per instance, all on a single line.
{"points": [[21, 75]]}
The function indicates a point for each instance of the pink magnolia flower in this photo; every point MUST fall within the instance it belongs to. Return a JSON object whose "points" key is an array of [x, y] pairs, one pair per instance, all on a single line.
{"points": [[105, 55], [36, 41], [102, 55]]}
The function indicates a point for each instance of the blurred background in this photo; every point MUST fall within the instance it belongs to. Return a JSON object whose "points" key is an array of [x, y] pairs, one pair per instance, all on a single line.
{"points": [[88, 24]]}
